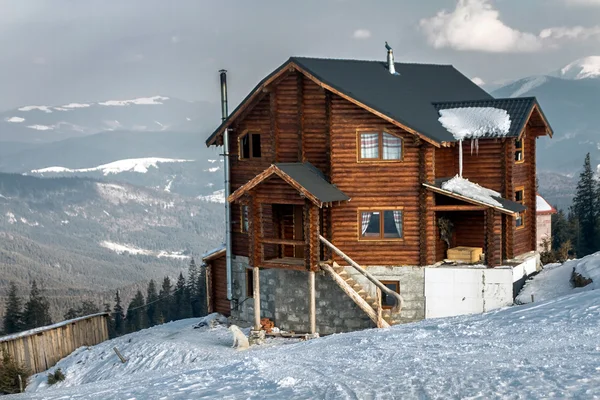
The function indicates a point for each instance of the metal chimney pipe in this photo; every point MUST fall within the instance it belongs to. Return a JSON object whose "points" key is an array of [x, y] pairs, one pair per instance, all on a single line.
{"points": [[224, 114], [390, 59]]}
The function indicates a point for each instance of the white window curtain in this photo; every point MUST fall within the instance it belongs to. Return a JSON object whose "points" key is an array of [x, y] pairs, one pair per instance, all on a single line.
{"points": [[366, 218], [398, 221], [392, 147], [369, 145]]}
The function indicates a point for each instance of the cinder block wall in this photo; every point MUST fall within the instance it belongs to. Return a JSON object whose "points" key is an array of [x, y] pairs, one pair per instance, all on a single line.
{"points": [[284, 299]]}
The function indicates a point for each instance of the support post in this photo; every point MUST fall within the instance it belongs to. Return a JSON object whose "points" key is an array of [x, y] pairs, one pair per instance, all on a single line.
{"points": [[312, 309], [256, 294]]}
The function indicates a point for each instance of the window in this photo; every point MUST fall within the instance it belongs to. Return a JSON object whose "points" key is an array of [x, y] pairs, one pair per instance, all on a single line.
{"points": [[244, 219], [383, 224], [520, 198], [250, 146], [379, 146], [249, 283], [519, 151], [388, 301]]}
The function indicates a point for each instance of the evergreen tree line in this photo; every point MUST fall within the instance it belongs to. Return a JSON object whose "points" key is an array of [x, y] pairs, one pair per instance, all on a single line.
{"points": [[576, 233], [20, 315], [185, 299]]}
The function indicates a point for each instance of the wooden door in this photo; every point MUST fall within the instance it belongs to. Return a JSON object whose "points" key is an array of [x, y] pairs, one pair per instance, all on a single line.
{"points": [[299, 230]]}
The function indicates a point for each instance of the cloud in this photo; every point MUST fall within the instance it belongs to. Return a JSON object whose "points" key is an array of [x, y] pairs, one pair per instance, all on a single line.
{"points": [[175, 39], [39, 60], [584, 2], [474, 25], [361, 34], [478, 81], [570, 33]]}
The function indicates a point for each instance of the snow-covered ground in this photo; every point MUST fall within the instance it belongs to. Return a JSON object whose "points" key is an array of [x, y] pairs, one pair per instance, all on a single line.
{"points": [[129, 249], [218, 196], [555, 279], [140, 165], [542, 350]]}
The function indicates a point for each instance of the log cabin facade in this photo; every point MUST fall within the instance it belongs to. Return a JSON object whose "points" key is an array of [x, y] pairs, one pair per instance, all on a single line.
{"points": [[346, 151]]}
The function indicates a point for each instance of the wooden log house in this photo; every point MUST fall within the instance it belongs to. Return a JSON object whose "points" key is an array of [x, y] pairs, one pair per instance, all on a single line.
{"points": [[347, 150]]}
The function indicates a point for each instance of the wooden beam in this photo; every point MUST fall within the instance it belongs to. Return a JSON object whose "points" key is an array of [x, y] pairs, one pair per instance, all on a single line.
{"points": [[273, 131], [312, 305], [459, 208], [289, 242]]}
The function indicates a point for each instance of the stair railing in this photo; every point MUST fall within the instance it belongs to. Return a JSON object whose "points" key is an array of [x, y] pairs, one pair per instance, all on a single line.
{"points": [[398, 300]]}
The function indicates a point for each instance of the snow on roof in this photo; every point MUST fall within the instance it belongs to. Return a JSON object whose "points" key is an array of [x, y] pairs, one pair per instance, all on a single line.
{"points": [[542, 206], [474, 122], [466, 188], [214, 251], [47, 328]]}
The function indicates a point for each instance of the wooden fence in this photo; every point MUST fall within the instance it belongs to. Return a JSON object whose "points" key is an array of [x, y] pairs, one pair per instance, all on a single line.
{"points": [[41, 348]]}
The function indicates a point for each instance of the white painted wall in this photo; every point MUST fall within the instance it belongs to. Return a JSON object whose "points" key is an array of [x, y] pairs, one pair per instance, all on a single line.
{"points": [[457, 291]]}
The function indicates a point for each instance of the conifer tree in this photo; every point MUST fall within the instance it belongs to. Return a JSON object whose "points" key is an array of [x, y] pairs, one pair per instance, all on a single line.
{"points": [[152, 304], [37, 309], [585, 208], [13, 314], [181, 303], [165, 301], [118, 316], [136, 313], [202, 299], [109, 321], [192, 288]]}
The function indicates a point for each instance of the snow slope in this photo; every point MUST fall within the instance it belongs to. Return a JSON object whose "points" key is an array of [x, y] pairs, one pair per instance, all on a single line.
{"points": [[555, 279], [545, 350], [140, 165], [587, 67]]}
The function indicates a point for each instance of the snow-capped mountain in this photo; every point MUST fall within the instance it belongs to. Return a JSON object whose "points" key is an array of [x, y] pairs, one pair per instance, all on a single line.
{"points": [[140, 165], [47, 123], [584, 68], [569, 98]]}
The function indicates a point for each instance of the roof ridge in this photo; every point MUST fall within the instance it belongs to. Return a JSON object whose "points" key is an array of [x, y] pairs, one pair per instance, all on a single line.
{"points": [[369, 61]]}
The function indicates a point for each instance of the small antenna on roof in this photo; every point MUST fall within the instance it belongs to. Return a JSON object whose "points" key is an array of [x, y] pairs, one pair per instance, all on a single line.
{"points": [[390, 59]]}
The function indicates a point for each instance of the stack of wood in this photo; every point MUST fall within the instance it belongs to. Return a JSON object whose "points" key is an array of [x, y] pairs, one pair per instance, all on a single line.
{"points": [[267, 324]]}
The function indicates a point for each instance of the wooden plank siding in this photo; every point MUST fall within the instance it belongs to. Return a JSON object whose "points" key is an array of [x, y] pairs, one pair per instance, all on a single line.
{"points": [[218, 285], [389, 184], [524, 176], [42, 348]]}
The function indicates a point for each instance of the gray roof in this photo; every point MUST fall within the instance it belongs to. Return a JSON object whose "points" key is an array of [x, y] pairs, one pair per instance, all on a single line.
{"points": [[505, 204], [407, 97], [518, 109], [313, 180]]}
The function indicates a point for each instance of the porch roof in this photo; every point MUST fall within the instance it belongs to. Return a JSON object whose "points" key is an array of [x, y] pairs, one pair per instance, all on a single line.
{"points": [[304, 177], [505, 206]]}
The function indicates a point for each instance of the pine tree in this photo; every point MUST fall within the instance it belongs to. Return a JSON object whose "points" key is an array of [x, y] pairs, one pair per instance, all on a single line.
{"points": [[13, 314], [560, 229], [109, 321], [192, 288], [37, 309], [202, 298], [165, 301], [152, 304], [136, 313], [585, 208], [181, 303], [118, 316]]}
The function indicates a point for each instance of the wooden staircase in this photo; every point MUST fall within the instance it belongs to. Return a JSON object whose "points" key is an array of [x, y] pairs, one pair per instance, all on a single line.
{"points": [[357, 292]]}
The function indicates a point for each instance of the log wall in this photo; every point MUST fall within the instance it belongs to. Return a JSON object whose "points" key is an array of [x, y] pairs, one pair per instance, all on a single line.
{"points": [[41, 348], [384, 185], [524, 176], [218, 286]]}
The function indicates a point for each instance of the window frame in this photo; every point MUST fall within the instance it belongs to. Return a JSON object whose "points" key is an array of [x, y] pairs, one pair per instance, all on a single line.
{"points": [[244, 225], [381, 211], [522, 214], [520, 149], [380, 159], [249, 133], [397, 290]]}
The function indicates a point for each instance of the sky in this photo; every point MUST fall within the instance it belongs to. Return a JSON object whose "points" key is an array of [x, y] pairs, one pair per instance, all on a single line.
{"points": [[60, 51]]}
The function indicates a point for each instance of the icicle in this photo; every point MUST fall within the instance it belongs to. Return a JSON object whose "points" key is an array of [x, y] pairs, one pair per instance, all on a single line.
{"points": [[472, 141], [475, 144], [460, 158]]}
